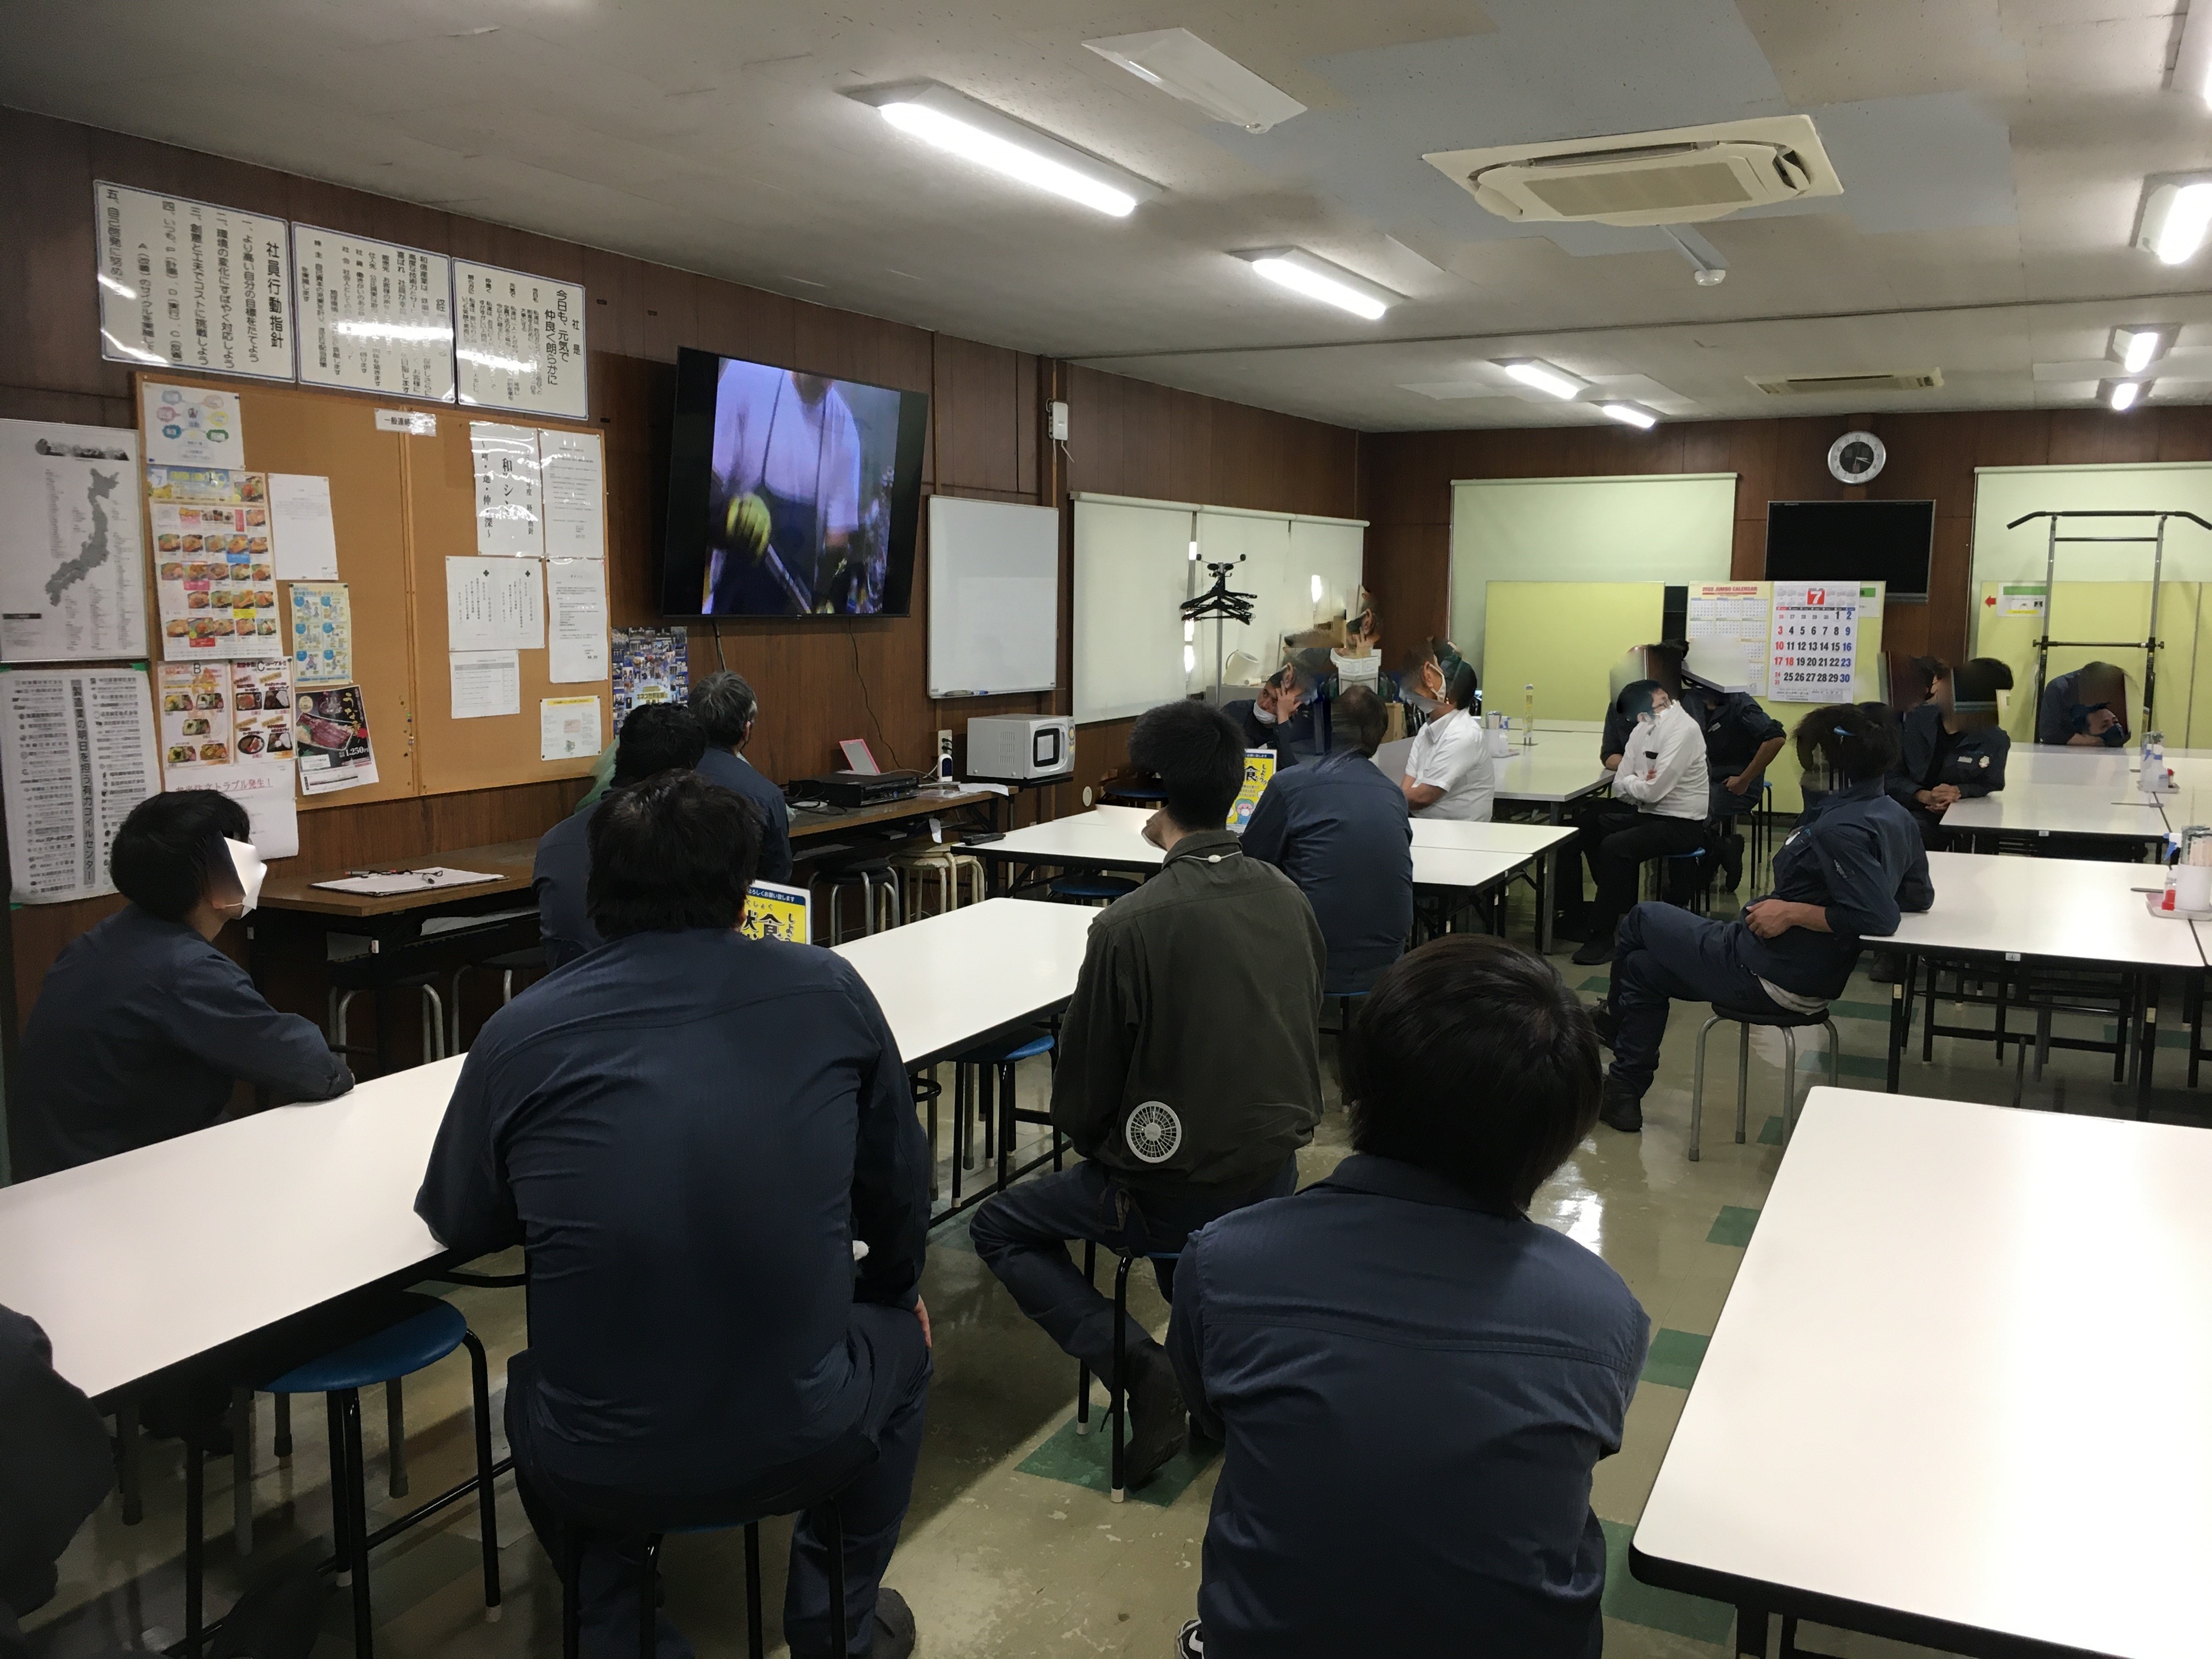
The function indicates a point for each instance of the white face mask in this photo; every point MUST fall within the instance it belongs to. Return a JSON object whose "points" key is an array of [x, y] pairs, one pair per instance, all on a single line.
{"points": [[251, 870]]}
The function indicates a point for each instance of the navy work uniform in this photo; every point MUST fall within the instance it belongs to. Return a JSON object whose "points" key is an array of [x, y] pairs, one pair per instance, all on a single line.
{"points": [[738, 776], [1972, 763], [2062, 717], [1737, 728], [1339, 828]]}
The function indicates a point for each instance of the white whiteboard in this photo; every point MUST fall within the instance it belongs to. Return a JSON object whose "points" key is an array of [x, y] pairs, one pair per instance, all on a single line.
{"points": [[994, 597], [1131, 575]]}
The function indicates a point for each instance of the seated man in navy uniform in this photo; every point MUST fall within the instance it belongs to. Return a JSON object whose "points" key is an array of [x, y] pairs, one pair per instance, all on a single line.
{"points": [[656, 737], [1953, 748], [1339, 828], [688, 1131], [726, 709], [143, 1028], [1288, 717], [2085, 709], [1413, 1379]]}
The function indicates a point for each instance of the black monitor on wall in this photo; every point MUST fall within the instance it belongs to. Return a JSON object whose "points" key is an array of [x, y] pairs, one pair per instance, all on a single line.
{"points": [[1888, 541]]}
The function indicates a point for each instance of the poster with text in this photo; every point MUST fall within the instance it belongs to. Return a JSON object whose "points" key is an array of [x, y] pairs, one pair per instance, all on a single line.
{"points": [[186, 285], [651, 665], [373, 316], [510, 508], [331, 736], [72, 574], [77, 754], [1816, 633], [214, 581], [776, 912], [193, 426], [518, 341], [195, 700], [322, 634], [568, 728], [204, 484], [1259, 770], [261, 712]]}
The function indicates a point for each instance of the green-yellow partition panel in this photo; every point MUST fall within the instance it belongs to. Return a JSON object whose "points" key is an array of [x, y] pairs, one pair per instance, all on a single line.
{"points": [[1564, 638], [2105, 610]]}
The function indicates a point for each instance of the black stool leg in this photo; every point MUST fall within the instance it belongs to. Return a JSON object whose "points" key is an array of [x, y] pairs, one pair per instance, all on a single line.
{"points": [[127, 1449], [832, 1529], [356, 1502], [648, 1592], [1120, 1388], [1007, 1124], [341, 1511], [986, 1077], [282, 1444], [195, 1543], [755, 1637], [1083, 1367], [487, 1507]]}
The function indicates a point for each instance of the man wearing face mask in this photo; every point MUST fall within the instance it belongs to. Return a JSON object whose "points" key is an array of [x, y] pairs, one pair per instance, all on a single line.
{"points": [[2085, 709], [143, 1027], [1285, 717], [1953, 748], [1660, 806]]}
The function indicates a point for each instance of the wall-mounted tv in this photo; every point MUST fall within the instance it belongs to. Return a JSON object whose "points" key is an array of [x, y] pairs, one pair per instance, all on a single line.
{"points": [[789, 493], [1852, 541]]}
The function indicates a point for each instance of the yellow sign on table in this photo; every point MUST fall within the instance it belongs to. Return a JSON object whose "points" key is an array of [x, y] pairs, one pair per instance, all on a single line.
{"points": [[1258, 768], [777, 912]]}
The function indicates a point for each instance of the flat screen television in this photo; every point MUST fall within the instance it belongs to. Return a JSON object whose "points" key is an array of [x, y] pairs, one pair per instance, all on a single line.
{"points": [[789, 493], [1851, 541]]}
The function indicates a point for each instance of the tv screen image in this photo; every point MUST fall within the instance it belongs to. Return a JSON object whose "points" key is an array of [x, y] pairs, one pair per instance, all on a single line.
{"points": [[1851, 541], [789, 493]]}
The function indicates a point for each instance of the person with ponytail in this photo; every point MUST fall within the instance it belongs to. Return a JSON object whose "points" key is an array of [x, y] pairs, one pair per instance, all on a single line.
{"points": [[1849, 871]]}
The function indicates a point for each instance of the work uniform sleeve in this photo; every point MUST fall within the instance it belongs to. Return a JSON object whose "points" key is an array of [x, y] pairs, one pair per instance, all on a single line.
{"points": [[55, 1465], [1613, 741], [1268, 833], [1098, 1035], [1256, 735], [775, 842], [1903, 783], [1751, 723], [215, 1013], [2052, 725], [1977, 780], [1186, 1343], [465, 1199], [1916, 891], [1862, 887], [891, 1169]]}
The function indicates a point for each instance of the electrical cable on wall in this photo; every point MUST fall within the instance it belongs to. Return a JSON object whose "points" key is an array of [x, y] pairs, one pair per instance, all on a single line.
{"points": [[869, 702]]}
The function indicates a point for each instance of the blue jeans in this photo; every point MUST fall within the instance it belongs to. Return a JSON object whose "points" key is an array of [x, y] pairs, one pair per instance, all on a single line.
{"points": [[1664, 954], [1022, 1235]]}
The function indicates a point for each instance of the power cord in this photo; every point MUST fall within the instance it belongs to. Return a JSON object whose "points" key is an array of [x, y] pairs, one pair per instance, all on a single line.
{"points": [[852, 637]]}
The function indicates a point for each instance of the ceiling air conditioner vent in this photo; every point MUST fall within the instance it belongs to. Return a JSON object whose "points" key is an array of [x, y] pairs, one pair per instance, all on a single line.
{"points": [[1799, 386], [1677, 177]]}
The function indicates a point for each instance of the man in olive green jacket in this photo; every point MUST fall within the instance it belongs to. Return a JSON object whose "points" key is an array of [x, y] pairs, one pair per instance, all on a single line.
{"points": [[1189, 1069]]}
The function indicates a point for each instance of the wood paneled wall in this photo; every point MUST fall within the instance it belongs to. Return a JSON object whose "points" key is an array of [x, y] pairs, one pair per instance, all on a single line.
{"points": [[1407, 480], [818, 682]]}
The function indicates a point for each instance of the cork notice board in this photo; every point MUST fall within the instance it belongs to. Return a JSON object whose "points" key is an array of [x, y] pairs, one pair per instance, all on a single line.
{"points": [[401, 506]]}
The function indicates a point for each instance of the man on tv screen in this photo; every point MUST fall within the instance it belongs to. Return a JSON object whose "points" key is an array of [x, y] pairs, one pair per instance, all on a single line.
{"points": [[798, 516]]}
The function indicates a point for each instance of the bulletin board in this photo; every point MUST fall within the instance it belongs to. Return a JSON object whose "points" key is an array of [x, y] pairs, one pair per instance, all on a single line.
{"points": [[401, 504]]}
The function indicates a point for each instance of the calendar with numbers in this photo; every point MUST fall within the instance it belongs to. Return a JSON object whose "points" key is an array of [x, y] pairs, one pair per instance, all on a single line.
{"points": [[1815, 641]]}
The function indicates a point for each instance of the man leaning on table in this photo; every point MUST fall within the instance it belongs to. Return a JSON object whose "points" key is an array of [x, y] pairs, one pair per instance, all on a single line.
{"points": [[143, 1028], [687, 1130]]}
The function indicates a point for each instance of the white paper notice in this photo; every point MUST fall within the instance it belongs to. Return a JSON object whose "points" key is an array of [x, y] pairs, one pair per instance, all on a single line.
{"points": [[72, 571], [373, 316], [495, 605], [191, 425], [573, 470], [519, 341], [184, 285], [76, 749], [568, 728], [508, 498], [306, 542], [485, 683], [263, 788], [577, 644]]}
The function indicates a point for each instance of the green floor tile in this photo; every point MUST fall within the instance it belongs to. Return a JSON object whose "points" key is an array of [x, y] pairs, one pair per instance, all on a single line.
{"points": [[1733, 1225], [1675, 1357], [1769, 1133], [1080, 1460], [1598, 983], [1632, 1601], [1860, 1011]]}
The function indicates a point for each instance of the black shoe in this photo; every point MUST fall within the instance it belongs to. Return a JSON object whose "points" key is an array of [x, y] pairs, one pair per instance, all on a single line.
{"points": [[893, 1636], [1190, 1641], [278, 1619], [1606, 1021], [1732, 861], [1596, 949], [1887, 970], [1621, 1110], [1159, 1427], [1573, 929]]}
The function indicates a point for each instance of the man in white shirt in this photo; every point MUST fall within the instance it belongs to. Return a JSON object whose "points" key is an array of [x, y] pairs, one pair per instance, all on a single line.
{"points": [[1449, 772], [786, 465], [1662, 801]]}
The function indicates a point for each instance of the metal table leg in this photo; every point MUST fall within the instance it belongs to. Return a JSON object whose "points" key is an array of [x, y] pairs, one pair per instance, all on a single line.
{"points": [[1900, 1017]]}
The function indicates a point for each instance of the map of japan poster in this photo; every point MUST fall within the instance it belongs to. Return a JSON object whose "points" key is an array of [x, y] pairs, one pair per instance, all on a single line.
{"points": [[72, 566]]}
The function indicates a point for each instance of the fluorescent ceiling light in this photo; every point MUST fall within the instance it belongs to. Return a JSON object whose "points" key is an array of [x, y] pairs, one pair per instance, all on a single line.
{"points": [[1317, 279], [1178, 62], [1534, 371], [2177, 212], [975, 132], [2139, 346], [1629, 415], [2122, 394]]}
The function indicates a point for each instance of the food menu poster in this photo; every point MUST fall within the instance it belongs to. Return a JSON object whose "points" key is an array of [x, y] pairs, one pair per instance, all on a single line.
{"points": [[373, 316], [214, 580], [189, 285], [76, 752], [518, 341], [217, 714], [332, 740]]}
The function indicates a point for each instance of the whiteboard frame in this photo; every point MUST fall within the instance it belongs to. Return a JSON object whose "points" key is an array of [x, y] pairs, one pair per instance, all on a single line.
{"points": [[945, 573]]}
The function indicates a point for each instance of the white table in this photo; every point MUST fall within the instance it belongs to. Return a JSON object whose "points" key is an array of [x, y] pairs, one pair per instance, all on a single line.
{"points": [[2094, 801], [142, 1262], [1957, 1396], [2049, 910]]}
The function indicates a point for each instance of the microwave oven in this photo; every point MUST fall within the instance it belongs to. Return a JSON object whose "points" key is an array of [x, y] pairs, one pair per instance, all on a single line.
{"points": [[1016, 748]]}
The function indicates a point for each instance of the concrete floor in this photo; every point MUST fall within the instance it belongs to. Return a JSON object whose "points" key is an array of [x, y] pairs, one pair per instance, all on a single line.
{"points": [[1013, 1547]]}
